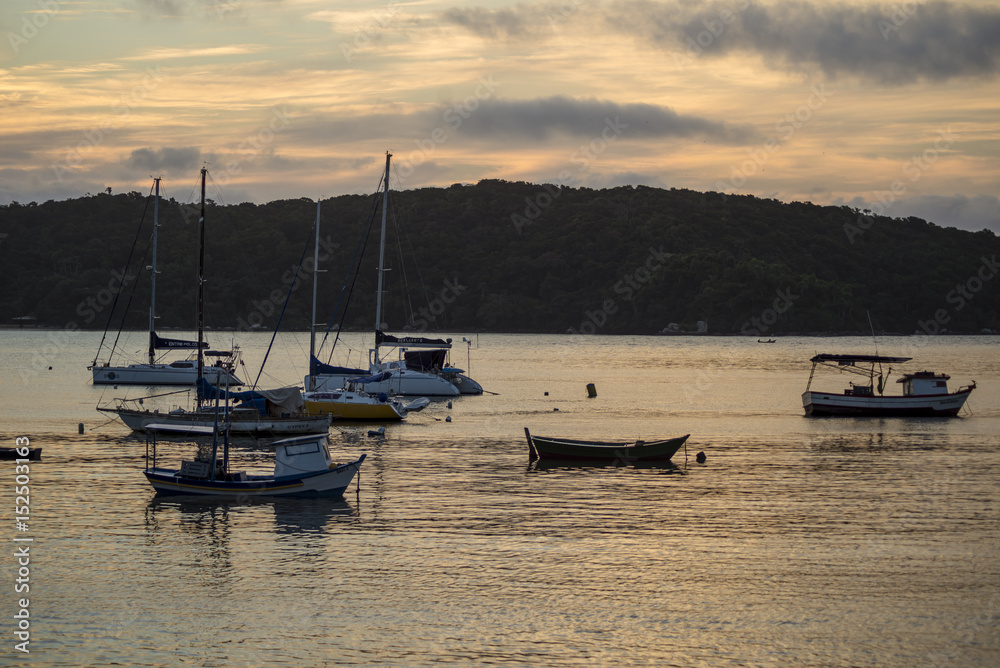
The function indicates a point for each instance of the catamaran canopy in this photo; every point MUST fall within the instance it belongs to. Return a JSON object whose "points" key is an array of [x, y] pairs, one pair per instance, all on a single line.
{"points": [[849, 360]]}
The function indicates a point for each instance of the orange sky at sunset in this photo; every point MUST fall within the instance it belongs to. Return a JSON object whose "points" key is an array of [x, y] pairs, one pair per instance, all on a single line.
{"points": [[895, 106]]}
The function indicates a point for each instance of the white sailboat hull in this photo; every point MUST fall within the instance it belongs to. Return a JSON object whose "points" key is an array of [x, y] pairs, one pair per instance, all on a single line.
{"points": [[242, 422], [161, 374]]}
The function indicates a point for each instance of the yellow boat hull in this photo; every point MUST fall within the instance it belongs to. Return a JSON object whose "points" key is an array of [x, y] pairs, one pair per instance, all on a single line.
{"points": [[353, 410]]}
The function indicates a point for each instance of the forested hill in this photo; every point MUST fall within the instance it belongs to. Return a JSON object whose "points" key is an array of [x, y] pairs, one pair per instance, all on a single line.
{"points": [[505, 257]]}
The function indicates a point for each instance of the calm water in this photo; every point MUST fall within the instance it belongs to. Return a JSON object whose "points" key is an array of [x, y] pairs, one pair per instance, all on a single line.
{"points": [[800, 542]]}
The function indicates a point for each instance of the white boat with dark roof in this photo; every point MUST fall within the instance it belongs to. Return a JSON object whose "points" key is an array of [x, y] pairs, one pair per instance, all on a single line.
{"points": [[924, 393]]}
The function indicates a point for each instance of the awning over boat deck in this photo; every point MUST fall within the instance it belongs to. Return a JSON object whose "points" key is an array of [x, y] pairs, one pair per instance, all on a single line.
{"points": [[851, 359]]}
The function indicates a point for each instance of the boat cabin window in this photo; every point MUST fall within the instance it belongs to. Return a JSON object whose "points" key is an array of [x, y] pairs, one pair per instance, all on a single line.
{"points": [[301, 449]]}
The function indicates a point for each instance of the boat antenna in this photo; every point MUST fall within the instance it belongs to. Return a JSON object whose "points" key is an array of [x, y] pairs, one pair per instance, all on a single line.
{"points": [[871, 327], [881, 385]]}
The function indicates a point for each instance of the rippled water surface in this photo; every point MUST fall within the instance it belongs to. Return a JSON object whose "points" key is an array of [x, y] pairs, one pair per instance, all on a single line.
{"points": [[799, 542]]}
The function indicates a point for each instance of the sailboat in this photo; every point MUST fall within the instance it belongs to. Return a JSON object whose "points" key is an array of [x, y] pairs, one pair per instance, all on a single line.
{"points": [[263, 412], [350, 401], [152, 372], [407, 376]]}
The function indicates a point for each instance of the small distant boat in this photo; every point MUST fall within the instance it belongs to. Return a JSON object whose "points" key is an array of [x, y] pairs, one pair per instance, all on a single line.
{"points": [[925, 393], [544, 447], [765, 341], [34, 454], [303, 468]]}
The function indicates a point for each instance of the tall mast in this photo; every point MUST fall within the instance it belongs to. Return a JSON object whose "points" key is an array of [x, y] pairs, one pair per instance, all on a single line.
{"points": [[381, 253], [152, 294], [201, 279], [312, 323]]}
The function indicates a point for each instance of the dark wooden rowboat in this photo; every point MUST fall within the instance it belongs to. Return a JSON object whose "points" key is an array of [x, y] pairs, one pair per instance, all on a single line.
{"points": [[545, 447]]}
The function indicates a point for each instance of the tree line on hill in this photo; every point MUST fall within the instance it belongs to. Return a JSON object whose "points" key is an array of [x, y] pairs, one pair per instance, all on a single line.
{"points": [[501, 256]]}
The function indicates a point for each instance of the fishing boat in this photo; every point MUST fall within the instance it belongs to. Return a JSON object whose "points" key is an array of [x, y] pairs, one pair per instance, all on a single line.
{"points": [[303, 468], [413, 373], [545, 447], [158, 372], [264, 412], [924, 393]]}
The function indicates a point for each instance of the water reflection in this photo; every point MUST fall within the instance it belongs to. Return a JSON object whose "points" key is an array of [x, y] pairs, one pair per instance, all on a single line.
{"points": [[661, 468], [298, 516], [209, 529]]}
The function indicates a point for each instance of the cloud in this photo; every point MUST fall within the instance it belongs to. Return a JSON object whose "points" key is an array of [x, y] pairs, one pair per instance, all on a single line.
{"points": [[543, 118], [165, 159], [898, 44], [961, 211], [973, 214], [532, 120], [513, 23]]}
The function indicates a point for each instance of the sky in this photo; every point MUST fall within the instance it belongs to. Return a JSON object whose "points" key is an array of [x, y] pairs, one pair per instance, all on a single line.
{"points": [[891, 107]]}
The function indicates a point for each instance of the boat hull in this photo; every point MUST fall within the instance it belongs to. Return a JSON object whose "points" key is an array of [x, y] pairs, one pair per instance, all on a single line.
{"points": [[832, 404], [321, 484], [179, 423], [652, 451], [402, 383], [346, 410], [161, 374]]}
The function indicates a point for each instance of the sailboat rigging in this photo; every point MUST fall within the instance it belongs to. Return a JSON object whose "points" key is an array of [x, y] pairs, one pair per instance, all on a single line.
{"points": [[179, 372], [264, 412], [423, 372]]}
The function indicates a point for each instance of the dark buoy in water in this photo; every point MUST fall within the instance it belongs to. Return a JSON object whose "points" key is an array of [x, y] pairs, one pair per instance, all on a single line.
{"points": [[700, 457], [80, 427], [591, 390], [546, 394], [448, 419]]}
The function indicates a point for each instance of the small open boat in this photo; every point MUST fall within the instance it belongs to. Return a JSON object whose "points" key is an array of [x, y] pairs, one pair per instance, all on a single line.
{"points": [[302, 469], [544, 447]]}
